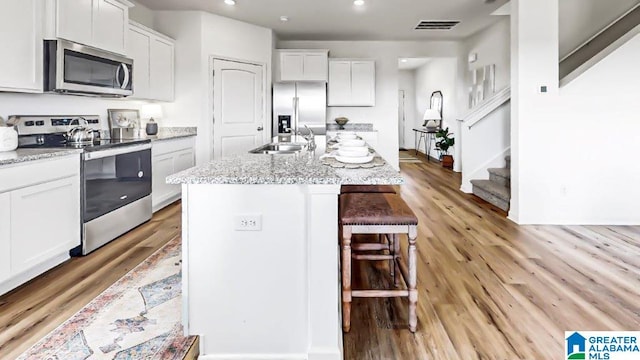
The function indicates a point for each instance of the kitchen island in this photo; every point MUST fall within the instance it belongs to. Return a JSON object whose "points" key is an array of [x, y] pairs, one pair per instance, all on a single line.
{"points": [[261, 255]]}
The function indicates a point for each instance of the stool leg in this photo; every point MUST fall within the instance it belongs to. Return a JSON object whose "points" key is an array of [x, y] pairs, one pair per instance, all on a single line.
{"points": [[396, 255], [413, 292], [346, 278], [392, 268]]}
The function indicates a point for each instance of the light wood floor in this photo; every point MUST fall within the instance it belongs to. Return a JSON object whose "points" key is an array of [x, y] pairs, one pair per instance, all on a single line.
{"points": [[31, 311], [490, 289]]}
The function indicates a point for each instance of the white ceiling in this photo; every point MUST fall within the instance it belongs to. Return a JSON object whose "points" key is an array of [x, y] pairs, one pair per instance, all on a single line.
{"points": [[341, 20], [412, 63]]}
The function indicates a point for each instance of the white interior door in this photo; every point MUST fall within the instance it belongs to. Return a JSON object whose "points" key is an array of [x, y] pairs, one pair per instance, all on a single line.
{"points": [[401, 119], [238, 111]]}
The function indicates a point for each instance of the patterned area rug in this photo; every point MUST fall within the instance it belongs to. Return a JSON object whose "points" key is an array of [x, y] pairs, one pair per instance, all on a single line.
{"points": [[138, 317], [406, 158]]}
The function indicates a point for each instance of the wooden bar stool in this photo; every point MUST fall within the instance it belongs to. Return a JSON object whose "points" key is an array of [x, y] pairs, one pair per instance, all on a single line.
{"points": [[378, 213]]}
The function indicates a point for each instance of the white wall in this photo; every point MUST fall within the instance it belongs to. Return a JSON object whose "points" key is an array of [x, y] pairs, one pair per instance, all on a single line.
{"points": [[142, 14], [199, 36], [438, 74], [581, 19], [383, 116], [492, 46], [407, 83], [54, 104]]}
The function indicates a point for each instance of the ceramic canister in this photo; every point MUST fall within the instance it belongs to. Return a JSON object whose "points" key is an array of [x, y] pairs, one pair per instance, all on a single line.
{"points": [[8, 138]]}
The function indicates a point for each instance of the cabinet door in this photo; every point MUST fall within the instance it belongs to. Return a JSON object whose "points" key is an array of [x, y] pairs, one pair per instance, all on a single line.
{"points": [[161, 75], [339, 83], [291, 66], [315, 67], [74, 20], [139, 49], [162, 167], [110, 24], [45, 222], [5, 236], [21, 39], [363, 83]]}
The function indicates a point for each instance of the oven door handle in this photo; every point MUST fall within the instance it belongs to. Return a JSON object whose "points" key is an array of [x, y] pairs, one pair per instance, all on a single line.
{"points": [[113, 152]]}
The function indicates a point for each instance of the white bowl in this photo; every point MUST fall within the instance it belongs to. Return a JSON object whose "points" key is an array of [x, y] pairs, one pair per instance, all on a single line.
{"points": [[347, 136], [352, 143], [354, 160], [354, 151]]}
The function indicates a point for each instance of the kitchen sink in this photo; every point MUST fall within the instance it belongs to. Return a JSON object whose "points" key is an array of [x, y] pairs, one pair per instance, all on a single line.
{"points": [[278, 148]]}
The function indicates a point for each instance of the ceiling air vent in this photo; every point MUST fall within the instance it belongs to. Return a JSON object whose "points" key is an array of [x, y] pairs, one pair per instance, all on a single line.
{"points": [[436, 25]]}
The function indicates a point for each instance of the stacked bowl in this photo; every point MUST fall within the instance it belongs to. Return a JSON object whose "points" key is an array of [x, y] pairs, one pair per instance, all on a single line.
{"points": [[352, 150]]}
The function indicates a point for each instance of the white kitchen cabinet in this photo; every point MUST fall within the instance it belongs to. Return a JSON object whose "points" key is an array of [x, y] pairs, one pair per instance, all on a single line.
{"points": [[303, 65], [21, 34], [5, 236], [40, 217], [169, 157], [153, 70], [352, 83], [102, 24]]}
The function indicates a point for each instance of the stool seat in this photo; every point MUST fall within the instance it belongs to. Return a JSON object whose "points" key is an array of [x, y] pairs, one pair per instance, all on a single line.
{"points": [[375, 209], [347, 189]]}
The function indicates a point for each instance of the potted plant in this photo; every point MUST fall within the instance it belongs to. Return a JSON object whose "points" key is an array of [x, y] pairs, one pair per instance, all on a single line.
{"points": [[444, 141]]}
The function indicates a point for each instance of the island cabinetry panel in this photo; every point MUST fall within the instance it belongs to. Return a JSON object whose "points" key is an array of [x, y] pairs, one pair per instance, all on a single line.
{"points": [[21, 34], [40, 218], [102, 24], [154, 69], [352, 83], [169, 157], [303, 65]]}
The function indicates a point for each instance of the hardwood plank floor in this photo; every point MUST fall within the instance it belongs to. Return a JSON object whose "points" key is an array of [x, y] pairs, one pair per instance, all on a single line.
{"points": [[31, 311], [490, 289]]}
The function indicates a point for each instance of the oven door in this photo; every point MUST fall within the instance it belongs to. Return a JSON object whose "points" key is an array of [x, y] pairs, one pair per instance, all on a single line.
{"points": [[75, 68], [114, 178]]}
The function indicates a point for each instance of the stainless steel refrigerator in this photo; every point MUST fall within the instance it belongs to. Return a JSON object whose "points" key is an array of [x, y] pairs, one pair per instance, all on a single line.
{"points": [[296, 104]]}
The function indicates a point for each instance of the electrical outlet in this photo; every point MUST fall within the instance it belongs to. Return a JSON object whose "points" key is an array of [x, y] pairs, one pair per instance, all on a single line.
{"points": [[248, 222]]}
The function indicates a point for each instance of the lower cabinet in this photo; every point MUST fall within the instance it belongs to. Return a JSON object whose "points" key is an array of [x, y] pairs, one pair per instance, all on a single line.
{"points": [[39, 218], [169, 157]]}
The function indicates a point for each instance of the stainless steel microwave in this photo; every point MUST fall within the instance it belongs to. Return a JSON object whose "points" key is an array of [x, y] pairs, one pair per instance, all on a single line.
{"points": [[72, 68]]}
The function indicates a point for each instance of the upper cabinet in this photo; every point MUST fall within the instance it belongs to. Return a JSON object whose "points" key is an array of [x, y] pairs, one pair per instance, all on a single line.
{"points": [[102, 24], [153, 58], [21, 37], [303, 65], [352, 83]]}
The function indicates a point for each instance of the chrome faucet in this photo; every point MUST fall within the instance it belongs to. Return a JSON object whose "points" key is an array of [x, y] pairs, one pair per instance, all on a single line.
{"points": [[311, 139]]}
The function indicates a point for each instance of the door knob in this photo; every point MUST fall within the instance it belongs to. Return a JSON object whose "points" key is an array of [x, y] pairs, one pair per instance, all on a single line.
{"points": [[260, 128]]}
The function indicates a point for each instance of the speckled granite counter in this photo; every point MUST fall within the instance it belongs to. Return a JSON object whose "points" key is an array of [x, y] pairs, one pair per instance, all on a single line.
{"points": [[351, 127], [25, 155], [301, 168], [168, 133]]}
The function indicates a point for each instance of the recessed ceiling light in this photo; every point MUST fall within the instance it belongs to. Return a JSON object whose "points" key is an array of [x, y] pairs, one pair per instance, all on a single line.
{"points": [[230, 2], [284, 18], [403, 60], [358, 2]]}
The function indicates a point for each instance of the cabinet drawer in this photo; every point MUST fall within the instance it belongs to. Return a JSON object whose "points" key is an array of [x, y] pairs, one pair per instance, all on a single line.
{"points": [[37, 172]]}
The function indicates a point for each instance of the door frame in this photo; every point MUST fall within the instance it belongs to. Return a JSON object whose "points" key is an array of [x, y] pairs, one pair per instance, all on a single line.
{"points": [[266, 99], [402, 123]]}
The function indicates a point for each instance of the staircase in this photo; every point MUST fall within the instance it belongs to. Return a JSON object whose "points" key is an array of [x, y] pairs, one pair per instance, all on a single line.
{"points": [[496, 190]]}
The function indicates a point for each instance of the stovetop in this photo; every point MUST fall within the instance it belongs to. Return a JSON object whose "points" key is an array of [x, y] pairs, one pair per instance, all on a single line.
{"points": [[57, 142]]}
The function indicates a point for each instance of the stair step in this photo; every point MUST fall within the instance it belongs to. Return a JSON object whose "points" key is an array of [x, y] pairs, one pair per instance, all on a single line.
{"points": [[501, 176], [492, 192]]}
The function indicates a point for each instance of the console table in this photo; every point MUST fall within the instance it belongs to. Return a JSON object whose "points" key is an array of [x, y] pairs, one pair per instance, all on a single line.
{"points": [[428, 135]]}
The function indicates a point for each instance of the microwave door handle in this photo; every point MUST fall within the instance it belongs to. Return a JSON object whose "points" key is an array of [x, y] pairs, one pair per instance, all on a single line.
{"points": [[125, 83], [118, 75]]}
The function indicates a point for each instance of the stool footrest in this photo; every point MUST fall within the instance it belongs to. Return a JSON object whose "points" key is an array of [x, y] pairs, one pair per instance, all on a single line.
{"points": [[379, 293], [369, 247], [374, 257]]}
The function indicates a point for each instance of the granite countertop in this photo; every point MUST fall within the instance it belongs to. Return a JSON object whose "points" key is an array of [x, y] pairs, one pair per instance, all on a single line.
{"points": [[333, 127], [303, 168], [168, 133], [25, 155]]}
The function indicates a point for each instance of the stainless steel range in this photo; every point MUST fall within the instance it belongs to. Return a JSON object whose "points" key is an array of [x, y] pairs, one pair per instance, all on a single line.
{"points": [[116, 174]]}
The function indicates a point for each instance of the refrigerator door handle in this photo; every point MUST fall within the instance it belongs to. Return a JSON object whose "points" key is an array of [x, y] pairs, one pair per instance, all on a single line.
{"points": [[296, 114]]}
